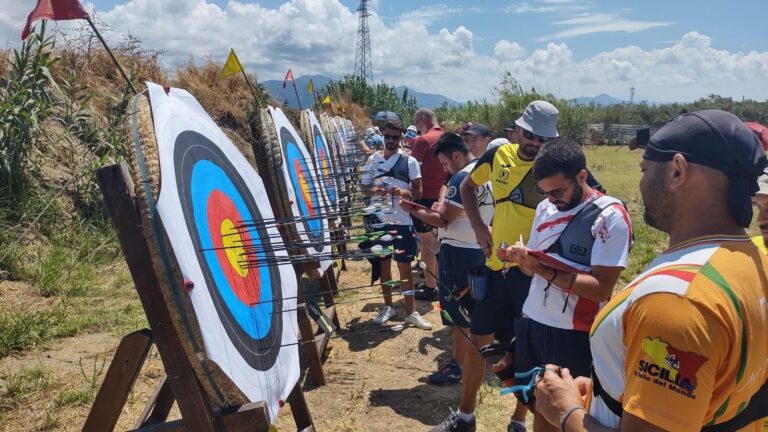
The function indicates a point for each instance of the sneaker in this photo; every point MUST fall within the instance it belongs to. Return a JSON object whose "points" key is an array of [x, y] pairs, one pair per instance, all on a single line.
{"points": [[384, 315], [454, 423], [426, 293], [448, 374], [514, 426], [416, 320]]}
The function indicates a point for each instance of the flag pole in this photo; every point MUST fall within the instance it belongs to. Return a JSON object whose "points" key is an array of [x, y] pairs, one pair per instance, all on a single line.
{"points": [[297, 94], [109, 51], [250, 87]]}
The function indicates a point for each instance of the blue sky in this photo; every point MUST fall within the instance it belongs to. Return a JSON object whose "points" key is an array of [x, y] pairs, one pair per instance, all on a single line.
{"points": [[667, 50]]}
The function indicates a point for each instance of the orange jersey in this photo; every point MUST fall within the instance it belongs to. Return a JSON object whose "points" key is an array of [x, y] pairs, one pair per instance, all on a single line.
{"points": [[685, 345]]}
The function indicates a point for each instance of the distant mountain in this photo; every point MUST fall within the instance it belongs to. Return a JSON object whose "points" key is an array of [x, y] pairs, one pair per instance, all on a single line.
{"points": [[427, 100], [275, 88], [599, 100]]}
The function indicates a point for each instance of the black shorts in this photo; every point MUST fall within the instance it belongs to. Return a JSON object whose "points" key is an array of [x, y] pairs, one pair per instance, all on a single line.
{"points": [[496, 313], [455, 263], [405, 246], [537, 344], [419, 225]]}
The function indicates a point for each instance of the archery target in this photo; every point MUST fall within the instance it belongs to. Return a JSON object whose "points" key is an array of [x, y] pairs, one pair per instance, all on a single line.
{"points": [[213, 207], [324, 162], [303, 188]]}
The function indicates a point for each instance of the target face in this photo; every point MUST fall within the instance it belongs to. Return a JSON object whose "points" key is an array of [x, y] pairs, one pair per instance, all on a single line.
{"points": [[324, 165], [304, 186], [237, 262]]}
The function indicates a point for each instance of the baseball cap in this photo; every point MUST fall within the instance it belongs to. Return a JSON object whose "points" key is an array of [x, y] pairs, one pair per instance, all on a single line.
{"points": [[478, 129], [512, 126], [719, 140], [369, 132], [412, 128], [540, 117]]}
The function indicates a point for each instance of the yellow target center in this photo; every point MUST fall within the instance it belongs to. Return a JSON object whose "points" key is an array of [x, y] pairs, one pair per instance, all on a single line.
{"points": [[233, 246]]}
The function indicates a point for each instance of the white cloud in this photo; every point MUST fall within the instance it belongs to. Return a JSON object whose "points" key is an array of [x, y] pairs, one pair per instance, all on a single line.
{"points": [[506, 50], [599, 23], [549, 6], [319, 36], [427, 15]]}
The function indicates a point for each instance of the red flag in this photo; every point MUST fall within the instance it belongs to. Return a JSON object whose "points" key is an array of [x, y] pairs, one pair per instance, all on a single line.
{"points": [[59, 10], [288, 76]]}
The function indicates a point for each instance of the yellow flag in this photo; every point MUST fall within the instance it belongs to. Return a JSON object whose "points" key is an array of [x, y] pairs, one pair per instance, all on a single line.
{"points": [[232, 66], [311, 87], [327, 100]]}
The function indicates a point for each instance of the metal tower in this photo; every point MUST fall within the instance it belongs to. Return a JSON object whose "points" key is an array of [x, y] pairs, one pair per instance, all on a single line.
{"points": [[363, 63]]}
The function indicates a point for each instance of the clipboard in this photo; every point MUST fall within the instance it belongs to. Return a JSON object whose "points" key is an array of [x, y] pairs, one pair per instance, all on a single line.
{"points": [[552, 262], [418, 206]]}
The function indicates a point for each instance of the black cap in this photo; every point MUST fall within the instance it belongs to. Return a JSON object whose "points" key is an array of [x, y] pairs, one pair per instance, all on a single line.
{"points": [[477, 129], [721, 141], [511, 128]]}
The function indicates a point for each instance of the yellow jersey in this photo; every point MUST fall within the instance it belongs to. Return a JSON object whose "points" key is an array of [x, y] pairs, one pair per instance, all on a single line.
{"points": [[514, 193]]}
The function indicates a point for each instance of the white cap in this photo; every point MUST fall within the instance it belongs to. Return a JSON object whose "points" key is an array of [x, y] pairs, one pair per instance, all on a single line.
{"points": [[369, 132], [412, 128], [762, 181], [540, 118], [498, 142]]}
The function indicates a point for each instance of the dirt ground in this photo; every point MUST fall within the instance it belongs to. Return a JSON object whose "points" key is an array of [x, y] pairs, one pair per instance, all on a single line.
{"points": [[372, 378]]}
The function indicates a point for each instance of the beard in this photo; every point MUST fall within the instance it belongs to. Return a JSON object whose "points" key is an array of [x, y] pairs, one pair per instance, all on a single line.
{"points": [[578, 194], [391, 147], [659, 205], [529, 150]]}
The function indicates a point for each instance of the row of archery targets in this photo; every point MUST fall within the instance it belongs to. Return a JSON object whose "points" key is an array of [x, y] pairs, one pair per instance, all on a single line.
{"points": [[230, 242]]}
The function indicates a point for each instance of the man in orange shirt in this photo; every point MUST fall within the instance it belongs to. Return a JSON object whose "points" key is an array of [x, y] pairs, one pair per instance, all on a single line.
{"points": [[683, 347]]}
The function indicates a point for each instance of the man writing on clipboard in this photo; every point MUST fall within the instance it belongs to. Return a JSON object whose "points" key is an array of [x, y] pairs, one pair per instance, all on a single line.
{"points": [[586, 236]]}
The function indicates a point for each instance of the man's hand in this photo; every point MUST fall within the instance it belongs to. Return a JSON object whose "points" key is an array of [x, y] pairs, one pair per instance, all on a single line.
{"points": [[556, 393], [402, 193], [483, 236], [528, 263]]}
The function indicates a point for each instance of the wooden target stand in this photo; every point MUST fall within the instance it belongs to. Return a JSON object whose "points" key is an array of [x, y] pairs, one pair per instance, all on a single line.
{"points": [[181, 384], [314, 340]]}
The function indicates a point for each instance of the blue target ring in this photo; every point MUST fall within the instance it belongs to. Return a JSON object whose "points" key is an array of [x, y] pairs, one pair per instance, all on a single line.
{"points": [[207, 178], [324, 165], [238, 263], [304, 187]]}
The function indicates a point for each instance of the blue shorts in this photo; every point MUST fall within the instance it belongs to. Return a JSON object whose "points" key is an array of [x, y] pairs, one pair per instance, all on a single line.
{"points": [[537, 344], [503, 302], [455, 263], [405, 246]]}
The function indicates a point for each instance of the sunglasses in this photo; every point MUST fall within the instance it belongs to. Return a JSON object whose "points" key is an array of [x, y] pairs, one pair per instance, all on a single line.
{"points": [[392, 137], [531, 136], [557, 193]]}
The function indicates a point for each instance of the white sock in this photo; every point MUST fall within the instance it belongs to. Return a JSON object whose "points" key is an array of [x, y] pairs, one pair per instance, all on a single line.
{"points": [[466, 417]]}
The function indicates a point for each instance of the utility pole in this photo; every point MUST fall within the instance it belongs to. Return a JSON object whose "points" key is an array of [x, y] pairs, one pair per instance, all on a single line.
{"points": [[363, 62]]}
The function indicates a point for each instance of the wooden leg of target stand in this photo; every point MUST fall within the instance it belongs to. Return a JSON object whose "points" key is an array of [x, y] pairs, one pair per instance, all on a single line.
{"points": [[299, 410], [308, 343], [329, 287], [122, 373]]}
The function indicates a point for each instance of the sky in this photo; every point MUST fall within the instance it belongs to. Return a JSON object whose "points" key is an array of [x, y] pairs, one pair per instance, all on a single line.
{"points": [[671, 50]]}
